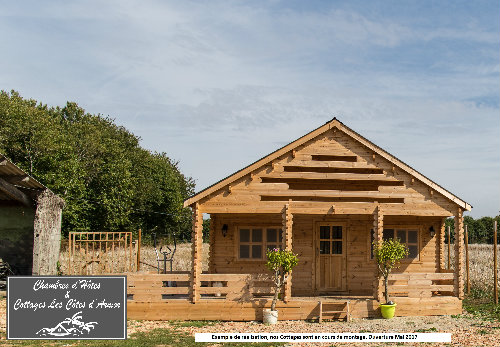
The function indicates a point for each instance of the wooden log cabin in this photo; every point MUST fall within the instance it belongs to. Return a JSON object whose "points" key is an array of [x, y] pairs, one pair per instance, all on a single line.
{"points": [[326, 196]]}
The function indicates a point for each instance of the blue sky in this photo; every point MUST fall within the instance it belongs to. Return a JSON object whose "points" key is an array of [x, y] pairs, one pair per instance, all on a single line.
{"points": [[219, 84]]}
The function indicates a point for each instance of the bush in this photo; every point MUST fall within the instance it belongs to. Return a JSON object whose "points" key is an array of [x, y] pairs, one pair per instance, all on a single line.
{"points": [[388, 254], [281, 263]]}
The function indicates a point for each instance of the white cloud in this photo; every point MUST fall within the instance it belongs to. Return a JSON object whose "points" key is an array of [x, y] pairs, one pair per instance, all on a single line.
{"points": [[218, 85]]}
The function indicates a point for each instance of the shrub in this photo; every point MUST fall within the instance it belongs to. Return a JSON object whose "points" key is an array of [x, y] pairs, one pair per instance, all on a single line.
{"points": [[281, 263], [388, 254]]}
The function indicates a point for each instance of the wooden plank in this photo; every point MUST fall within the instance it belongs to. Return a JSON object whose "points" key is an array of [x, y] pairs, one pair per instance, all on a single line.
{"points": [[288, 241], [294, 310], [157, 278], [467, 258], [15, 194], [330, 176], [378, 228], [324, 208], [442, 231], [459, 247], [211, 254], [255, 190], [196, 253], [421, 276], [313, 163], [158, 290], [226, 277]]}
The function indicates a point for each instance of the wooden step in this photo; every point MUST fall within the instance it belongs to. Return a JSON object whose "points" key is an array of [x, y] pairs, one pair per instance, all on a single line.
{"points": [[346, 309]]}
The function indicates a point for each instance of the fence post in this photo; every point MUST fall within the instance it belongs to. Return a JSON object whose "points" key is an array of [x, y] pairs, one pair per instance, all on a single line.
{"points": [[139, 250], [69, 253], [495, 279], [467, 257]]}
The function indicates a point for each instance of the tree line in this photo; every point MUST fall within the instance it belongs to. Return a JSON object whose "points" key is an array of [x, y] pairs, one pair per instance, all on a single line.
{"points": [[480, 230], [109, 183]]}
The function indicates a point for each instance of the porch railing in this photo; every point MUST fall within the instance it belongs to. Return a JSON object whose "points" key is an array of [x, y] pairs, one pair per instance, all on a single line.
{"points": [[234, 287], [421, 285]]}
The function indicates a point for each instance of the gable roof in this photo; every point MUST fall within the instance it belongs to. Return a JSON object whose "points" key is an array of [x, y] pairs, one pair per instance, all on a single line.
{"points": [[334, 123]]}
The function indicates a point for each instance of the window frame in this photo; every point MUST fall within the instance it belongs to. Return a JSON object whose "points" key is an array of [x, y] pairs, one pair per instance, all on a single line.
{"points": [[264, 242], [396, 227]]}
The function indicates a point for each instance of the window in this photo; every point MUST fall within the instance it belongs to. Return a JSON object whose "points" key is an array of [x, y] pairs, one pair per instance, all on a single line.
{"points": [[407, 236], [330, 239], [253, 242]]}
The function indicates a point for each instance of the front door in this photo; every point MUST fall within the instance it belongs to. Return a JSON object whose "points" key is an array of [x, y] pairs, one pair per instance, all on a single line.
{"points": [[330, 257]]}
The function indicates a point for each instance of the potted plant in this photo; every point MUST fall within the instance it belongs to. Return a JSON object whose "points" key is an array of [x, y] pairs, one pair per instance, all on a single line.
{"points": [[281, 263], [388, 254]]}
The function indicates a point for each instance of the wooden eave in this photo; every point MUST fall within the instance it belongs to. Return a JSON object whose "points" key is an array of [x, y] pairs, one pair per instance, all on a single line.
{"points": [[16, 185], [334, 123]]}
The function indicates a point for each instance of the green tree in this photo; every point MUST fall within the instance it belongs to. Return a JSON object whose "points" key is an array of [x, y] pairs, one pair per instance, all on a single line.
{"points": [[281, 263], [108, 181], [388, 254]]}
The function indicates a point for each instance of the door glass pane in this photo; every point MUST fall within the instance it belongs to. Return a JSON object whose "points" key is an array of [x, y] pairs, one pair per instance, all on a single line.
{"points": [[257, 235], [324, 232], [272, 235], [244, 251], [244, 235], [281, 236], [337, 247], [324, 247], [388, 234], [412, 236], [413, 252], [256, 251], [401, 235], [336, 232]]}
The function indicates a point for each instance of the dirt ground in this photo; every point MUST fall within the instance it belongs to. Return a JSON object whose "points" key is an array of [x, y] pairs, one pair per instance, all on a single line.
{"points": [[466, 330]]}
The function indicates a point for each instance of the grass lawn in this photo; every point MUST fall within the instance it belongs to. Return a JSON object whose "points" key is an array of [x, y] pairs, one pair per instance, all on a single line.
{"points": [[153, 338]]}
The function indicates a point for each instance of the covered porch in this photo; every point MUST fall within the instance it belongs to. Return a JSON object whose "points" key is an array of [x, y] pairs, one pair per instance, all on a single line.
{"points": [[240, 294]]}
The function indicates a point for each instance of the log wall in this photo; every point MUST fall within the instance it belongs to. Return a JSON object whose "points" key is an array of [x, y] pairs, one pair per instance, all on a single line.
{"points": [[293, 310], [361, 269]]}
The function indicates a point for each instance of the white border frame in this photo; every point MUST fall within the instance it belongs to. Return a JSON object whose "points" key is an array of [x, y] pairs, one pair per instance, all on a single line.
{"points": [[80, 338]]}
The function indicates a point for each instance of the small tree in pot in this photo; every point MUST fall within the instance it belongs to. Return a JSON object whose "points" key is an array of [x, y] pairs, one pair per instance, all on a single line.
{"points": [[388, 255], [281, 263]]}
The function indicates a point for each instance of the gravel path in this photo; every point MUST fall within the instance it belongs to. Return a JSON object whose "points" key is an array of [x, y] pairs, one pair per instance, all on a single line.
{"points": [[465, 329]]}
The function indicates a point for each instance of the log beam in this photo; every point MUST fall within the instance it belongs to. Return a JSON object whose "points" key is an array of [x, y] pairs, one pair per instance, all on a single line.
{"points": [[442, 232], [322, 208], [196, 252], [14, 193], [459, 252], [378, 228], [287, 240], [211, 263]]}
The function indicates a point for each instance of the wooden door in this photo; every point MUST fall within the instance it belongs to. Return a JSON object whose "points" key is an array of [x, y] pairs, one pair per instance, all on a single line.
{"points": [[330, 257]]}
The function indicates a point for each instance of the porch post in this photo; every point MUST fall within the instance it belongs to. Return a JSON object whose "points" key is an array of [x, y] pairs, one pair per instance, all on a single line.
{"points": [[213, 223], [378, 228], [442, 231], [287, 239], [459, 251], [196, 251]]}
